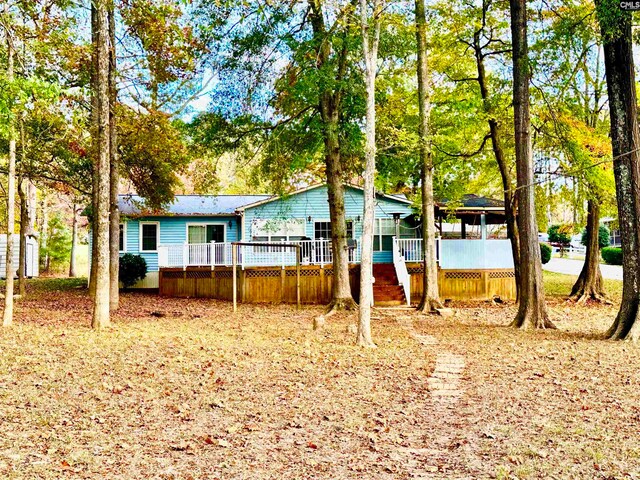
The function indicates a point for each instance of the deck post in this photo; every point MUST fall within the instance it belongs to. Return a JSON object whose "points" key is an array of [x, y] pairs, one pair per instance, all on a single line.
{"points": [[235, 278], [185, 255], [212, 254], [483, 226], [298, 255]]}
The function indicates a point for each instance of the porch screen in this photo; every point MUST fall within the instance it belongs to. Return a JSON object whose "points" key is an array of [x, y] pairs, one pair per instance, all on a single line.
{"points": [[383, 233]]}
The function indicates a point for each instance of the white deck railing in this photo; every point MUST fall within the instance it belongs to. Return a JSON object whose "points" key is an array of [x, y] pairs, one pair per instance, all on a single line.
{"points": [[475, 254], [452, 254], [461, 254], [259, 254], [410, 249], [399, 262]]}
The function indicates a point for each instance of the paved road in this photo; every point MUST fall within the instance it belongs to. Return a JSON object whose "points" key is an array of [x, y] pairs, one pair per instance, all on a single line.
{"points": [[573, 267]]}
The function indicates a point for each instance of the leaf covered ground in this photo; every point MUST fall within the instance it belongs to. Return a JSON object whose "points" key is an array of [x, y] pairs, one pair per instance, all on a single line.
{"points": [[184, 388]]}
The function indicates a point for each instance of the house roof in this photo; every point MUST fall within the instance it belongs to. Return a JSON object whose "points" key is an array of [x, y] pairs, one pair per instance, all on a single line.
{"points": [[189, 205], [397, 198]]}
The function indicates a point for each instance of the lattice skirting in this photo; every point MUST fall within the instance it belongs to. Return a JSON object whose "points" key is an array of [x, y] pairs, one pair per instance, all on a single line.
{"points": [[505, 274], [463, 275], [173, 274], [303, 273], [198, 274], [262, 273]]}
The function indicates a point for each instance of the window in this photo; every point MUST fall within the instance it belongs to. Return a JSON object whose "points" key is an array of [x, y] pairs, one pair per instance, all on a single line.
{"points": [[149, 233], [205, 233], [278, 230], [323, 230], [384, 230], [121, 244]]}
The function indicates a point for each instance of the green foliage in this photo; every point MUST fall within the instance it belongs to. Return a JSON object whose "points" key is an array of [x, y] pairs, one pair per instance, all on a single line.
{"points": [[560, 234], [153, 154], [133, 268], [612, 255], [58, 242], [545, 253], [603, 237]]}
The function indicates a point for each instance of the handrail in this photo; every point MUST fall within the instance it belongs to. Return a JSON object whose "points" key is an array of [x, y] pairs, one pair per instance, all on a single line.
{"points": [[401, 270]]}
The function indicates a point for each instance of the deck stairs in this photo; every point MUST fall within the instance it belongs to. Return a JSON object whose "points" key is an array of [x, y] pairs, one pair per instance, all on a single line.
{"points": [[387, 290]]}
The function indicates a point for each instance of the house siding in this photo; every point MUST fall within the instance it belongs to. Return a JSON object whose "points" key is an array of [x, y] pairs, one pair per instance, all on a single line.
{"points": [[314, 203], [173, 230]]}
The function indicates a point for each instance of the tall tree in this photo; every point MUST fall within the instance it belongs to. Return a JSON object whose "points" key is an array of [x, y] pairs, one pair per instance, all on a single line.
{"points": [[532, 307], [331, 96], [430, 297], [486, 46], [615, 25], [101, 140], [370, 42], [114, 212], [573, 125], [294, 69], [7, 316]]}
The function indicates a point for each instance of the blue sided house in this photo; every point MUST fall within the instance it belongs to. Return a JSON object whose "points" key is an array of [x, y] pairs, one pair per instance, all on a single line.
{"points": [[197, 230], [286, 253]]}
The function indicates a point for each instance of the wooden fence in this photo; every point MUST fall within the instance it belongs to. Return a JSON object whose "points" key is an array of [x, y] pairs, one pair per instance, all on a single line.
{"points": [[255, 284], [278, 285], [466, 284]]}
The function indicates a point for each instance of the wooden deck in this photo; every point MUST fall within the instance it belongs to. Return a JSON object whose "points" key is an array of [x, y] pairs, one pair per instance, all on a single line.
{"points": [[255, 284], [278, 285]]}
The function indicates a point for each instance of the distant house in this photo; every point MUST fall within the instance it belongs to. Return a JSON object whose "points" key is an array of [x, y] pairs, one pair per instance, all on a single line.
{"points": [[188, 246]]}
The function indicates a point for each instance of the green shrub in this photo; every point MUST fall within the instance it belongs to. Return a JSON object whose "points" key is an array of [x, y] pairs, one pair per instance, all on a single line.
{"points": [[603, 237], [545, 253], [612, 255], [133, 268], [560, 234]]}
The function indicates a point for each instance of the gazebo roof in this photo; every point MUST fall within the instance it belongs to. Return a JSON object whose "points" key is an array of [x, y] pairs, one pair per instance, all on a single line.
{"points": [[470, 207], [471, 201]]}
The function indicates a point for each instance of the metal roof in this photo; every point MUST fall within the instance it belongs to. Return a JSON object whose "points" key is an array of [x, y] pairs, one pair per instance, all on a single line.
{"points": [[189, 205], [474, 201]]}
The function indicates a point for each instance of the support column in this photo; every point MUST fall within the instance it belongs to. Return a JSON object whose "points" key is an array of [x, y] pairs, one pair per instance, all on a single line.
{"points": [[483, 226]]}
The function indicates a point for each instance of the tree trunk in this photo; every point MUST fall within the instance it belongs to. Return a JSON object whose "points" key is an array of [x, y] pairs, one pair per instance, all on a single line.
{"points": [[510, 207], [330, 100], [24, 226], [7, 317], [589, 284], [341, 298], [94, 133], [101, 215], [430, 296], [615, 25], [370, 48], [532, 307], [114, 213], [74, 242]]}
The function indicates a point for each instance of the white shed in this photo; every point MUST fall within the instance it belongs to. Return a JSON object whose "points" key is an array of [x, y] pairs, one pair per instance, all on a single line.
{"points": [[32, 261]]}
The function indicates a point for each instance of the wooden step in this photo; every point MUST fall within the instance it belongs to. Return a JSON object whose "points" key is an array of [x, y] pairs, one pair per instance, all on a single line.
{"points": [[383, 294]]}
